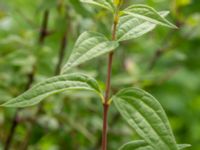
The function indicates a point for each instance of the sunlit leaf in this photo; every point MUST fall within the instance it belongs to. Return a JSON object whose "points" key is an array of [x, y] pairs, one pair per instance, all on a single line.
{"points": [[131, 27], [145, 114], [88, 46], [51, 86], [183, 146], [136, 145], [149, 14]]}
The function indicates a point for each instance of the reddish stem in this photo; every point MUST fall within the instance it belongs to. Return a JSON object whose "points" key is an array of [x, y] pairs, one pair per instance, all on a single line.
{"points": [[105, 126], [107, 93]]}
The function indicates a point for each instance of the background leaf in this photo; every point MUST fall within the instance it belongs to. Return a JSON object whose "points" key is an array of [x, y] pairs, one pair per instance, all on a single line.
{"points": [[142, 145], [100, 3], [144, 113], [51, 86]]}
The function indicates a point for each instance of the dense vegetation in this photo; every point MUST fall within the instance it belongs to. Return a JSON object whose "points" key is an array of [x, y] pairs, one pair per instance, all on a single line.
{"points": [[36, 40]]}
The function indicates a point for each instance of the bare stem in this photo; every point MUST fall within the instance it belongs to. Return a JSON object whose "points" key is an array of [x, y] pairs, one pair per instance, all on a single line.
{"points": [[107, 93]]}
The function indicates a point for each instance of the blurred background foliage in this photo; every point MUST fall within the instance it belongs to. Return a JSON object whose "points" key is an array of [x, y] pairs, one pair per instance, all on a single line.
{"points": [[165, 62]]}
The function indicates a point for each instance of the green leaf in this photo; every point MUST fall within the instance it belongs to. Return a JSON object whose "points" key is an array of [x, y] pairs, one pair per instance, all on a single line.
{"points": [[51, 86], [149, 14], [130, 27], [136, 145], [100, 3], [88, 46], [183, 146], [142, 145], [145, 114]]}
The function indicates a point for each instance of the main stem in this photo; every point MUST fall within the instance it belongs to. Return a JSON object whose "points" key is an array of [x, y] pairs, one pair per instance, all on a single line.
{"points": [[107, 93]]}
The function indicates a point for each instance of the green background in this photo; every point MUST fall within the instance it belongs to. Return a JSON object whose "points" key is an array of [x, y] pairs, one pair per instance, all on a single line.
{"points": [[165, 62]]}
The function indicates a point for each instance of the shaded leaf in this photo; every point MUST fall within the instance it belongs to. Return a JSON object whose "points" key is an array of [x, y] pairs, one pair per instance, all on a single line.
{"points": [[145, 114], [130, 27], [149, 14], [100, 3], [51, 86], [88, 46], [142, 145]]}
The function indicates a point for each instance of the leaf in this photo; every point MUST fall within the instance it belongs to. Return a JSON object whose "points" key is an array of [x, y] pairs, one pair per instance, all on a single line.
{"points": [[183, 146], [100, 3], [130, 27], [145, 114], [88, 46], [51, 86], [149, 14], [142, 145], [136, 145]]}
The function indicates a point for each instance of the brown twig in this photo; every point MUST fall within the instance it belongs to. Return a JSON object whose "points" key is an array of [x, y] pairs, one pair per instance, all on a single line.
{"points": [[63, 45], [30, 76], [43, 29], [16, 120], [156, 57]]}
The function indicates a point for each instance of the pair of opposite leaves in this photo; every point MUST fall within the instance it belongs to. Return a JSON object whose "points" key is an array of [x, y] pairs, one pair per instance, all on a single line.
{"points": [[135, 105]]}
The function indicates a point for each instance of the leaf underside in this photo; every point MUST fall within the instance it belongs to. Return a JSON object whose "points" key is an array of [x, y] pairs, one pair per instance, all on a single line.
{"points": [[88, 46], [131, 27], [145, 114], [51, 86]]}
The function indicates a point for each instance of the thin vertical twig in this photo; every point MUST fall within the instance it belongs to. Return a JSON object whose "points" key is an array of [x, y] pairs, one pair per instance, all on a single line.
{"points": [[63, 45], [43, 29], [30, 76], [16, 120], [61, 55]]}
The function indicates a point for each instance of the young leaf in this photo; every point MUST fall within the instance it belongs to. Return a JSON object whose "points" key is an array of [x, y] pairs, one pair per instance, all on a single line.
{"points": [[147, 13], [130, 27], [183, 146], [145, 114], [100, 3], [51, 86], [88, 46], [136, 145]]}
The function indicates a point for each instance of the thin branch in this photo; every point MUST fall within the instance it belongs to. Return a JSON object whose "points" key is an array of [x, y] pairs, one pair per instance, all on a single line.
{"points": [[30, 76], [156, 57], [16, 119], [63, 45], [43, 29]]}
